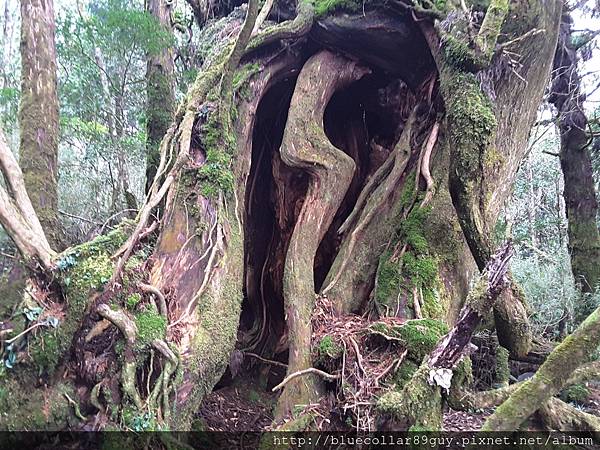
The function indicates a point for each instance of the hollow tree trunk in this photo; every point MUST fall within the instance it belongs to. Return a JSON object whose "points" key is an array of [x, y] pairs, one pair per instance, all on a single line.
{"points": [[160, 91], [38, 112], [192, 265]]}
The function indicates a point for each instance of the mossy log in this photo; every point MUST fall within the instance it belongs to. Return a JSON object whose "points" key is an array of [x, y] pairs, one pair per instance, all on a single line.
{"points": [[578, 348]]}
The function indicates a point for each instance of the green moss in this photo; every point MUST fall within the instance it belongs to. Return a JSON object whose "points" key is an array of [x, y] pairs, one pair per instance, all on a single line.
{"points": [[421, 270], [242, 76], [133, 300], [411, 230], [404, 374], [326, 7], [215, 175], [419, 404], [577, 393], [328, 348], [388, 280], [502, 369], [45, 352], [419, 336], [150, 326], [459, 54], [36, 408]]}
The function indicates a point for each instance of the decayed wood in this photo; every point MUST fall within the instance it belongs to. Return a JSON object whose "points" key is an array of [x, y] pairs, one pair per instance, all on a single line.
{"points": [[306, 147], [480, 301]]}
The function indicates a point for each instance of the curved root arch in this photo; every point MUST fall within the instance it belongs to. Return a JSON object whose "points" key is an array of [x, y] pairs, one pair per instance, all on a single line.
{"points": [[305, 146]]}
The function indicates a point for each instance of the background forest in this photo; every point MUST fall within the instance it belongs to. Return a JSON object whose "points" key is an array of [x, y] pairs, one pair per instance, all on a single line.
{"points": [[124, 66]]}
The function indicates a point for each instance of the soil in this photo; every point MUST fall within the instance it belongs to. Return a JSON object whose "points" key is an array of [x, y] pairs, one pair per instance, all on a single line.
{"points": [[247, 406]]}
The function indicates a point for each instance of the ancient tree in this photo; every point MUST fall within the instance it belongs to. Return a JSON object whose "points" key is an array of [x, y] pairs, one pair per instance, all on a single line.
{"points": [[346, 158]]}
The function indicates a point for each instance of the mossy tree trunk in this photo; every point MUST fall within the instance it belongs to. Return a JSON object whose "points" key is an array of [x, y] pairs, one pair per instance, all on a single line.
{"points": [[38, 113], [579, 191], [160, 90], [290, 169]]}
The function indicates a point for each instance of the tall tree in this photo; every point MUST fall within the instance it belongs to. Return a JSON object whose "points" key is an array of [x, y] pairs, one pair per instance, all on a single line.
{"points": [[579, 189], [160, 89], [39, 112]]}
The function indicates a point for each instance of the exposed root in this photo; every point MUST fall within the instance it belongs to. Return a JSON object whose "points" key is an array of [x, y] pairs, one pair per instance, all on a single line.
{"points": [[129, 330], [76, 409], [161, 304], [300, 373], [95, 397], [431, 141]]}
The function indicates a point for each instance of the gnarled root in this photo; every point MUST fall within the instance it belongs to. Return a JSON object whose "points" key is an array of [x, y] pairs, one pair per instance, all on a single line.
{"points": [[129, 330], [306, 147]]}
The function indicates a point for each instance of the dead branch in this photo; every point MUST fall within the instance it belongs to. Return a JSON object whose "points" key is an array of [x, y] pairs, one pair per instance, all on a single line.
{"points": [[300, 373]]}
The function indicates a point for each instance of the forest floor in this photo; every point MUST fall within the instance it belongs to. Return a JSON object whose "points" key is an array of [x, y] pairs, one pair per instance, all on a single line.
{"points": [[246, 406]]}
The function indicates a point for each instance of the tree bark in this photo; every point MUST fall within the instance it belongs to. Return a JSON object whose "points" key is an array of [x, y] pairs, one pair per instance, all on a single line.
{"points": [[579, 188], [160, 90], [306, 147], [38, 113]]}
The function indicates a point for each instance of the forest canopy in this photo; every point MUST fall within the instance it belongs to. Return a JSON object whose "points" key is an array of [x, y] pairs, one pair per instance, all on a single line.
{"points": [[311, 215]]}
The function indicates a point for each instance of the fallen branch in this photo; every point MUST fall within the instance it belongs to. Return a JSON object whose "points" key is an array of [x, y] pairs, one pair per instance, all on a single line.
{"points": [[300, 373], [550, 378]]}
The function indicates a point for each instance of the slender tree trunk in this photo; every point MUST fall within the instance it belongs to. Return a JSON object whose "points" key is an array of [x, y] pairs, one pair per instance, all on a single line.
{"points": [[160, 90], [38, 113]]}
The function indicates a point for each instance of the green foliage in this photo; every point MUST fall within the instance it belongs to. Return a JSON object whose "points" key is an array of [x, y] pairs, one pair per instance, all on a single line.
{"points": [[577, 393]]}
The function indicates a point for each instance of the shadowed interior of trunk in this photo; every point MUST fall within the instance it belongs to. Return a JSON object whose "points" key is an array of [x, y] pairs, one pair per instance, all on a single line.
{"points": [[364, 120]]}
